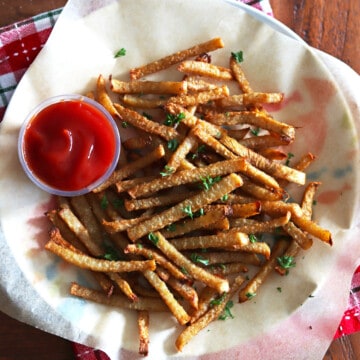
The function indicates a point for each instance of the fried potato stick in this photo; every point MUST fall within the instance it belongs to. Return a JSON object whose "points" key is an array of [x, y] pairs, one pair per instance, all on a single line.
{"points": [[196, 272], [87, 262], [182, 209], [177, 310], [200, 68], [167, 61], [187, 176], [143, 318], [212, 314], [150, 304], [252, 287], [129, 169]]}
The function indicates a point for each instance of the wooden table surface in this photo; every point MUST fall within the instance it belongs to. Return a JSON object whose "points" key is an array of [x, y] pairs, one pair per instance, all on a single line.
{"points": [[329, 25]]}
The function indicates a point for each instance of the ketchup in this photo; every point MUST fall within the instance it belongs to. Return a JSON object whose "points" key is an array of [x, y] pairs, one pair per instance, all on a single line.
{"points": [[69, 144]]}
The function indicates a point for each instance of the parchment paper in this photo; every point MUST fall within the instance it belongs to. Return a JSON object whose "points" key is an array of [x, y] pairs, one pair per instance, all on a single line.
{"points": [[297, 323]]}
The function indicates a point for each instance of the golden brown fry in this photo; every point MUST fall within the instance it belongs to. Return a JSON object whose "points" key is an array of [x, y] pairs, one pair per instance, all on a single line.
{"points": [[151, 304], [139, 249], [187, 176], [212, 314], [183, 209], [205, 69], [240, 76], [104, 98], [131, 168], [245, 210], [189, 142], [167, 61], [228, 269], [202, 97], [264, 142], [302, 238], [155, 201], [145, 124], [148, 87], [250, 226], [143, 103], [87, 262], [225, 257], [262, 193], [143, 329], [308, 198], [125, 185], [196, 272], [252, 287], [206, 221], [169, 299], [195, 84], [251, 98], [221, 240]]}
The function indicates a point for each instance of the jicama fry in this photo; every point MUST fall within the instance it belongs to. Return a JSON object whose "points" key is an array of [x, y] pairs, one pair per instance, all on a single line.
{"points": [[240, 76], [196, 272], [201, 68], [131, 168], [169, 299], [87, 262], [167, 61], [143, 329], [148, 87], [182, 209], [150, 304]]}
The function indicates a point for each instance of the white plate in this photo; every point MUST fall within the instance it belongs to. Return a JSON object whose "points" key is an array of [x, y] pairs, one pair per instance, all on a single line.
{"points": [[81, 48]]}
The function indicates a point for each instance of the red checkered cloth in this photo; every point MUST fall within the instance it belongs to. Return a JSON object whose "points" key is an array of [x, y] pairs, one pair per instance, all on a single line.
{"points": [[19, 45]]}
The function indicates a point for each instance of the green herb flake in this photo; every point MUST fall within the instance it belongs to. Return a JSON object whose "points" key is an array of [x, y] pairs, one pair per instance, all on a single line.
{"points": [[226, 314], [124, 125], [208, 181], [120, 53], [225, 197], [173, 144], [289, 156], [253, 238], [173, 120], [168, 170], [104, 203], [218, 300], [238, 56], [171, 227], [199, 259], [250, 295], [188, 211], [153, 238], [148, 116], [279, 289], [255, 131], [184, 271], [111, 254], [286, 262]]}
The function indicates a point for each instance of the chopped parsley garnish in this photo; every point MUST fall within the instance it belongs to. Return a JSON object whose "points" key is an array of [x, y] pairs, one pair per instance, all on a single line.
{"points": [[238, 56], [199, 213], [199, 150], [227, 312], [188, 211], [171, 227], [279, 289], [208, 181], [120, 53], [104, 202], [148, 116], [173, 144], [225, 197], [199, 259], [286, 262], [184, 271], [255, 131], [153, 238], [111, 254], [250, 295], [168, 170], [218, 300], [289, 156], [253, 238], [173, 120]]}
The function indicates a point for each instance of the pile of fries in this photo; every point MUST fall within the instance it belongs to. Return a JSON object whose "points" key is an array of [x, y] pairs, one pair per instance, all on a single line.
{"points": [[179, 225]]}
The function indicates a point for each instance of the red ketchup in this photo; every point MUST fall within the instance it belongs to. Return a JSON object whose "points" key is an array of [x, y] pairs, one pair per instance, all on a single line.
{"points": [[70, 144]]}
